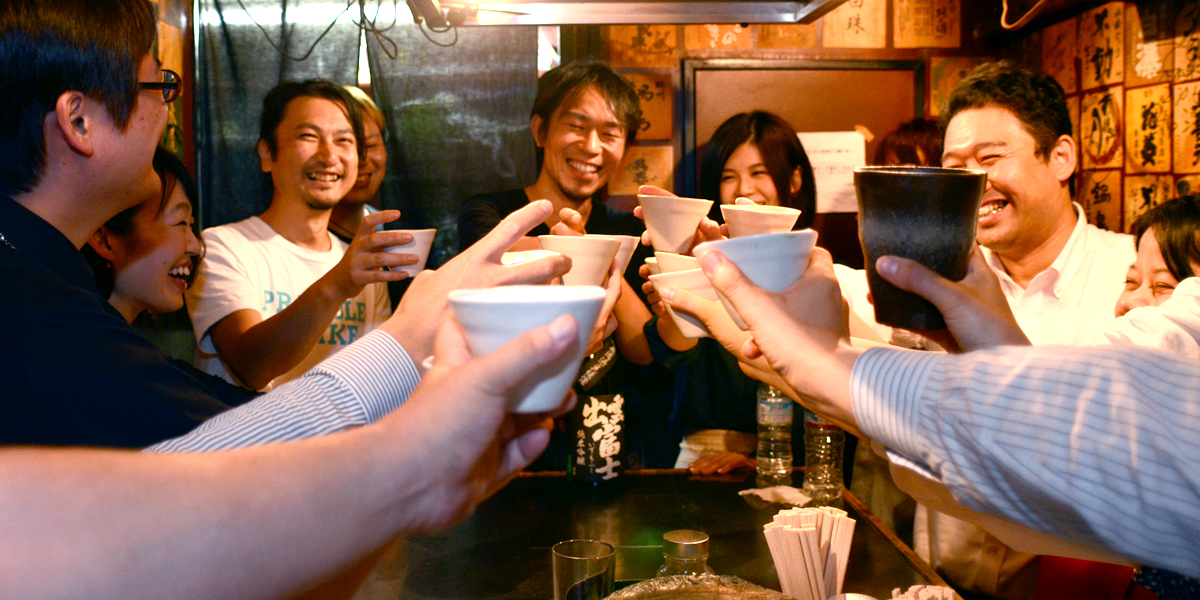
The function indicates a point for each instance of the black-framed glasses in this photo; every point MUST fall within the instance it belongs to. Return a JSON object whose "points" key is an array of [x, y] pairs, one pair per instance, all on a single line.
{"points": [[170, 86]]}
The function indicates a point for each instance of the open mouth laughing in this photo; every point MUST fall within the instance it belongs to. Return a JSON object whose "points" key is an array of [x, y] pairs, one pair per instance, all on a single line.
{"points": [[324, 177], [992, 207], [583, 168], [181, 273]]}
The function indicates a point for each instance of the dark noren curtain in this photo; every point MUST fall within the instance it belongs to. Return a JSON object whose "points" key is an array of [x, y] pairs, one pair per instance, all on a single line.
{"points": [[458, 119], [236, 66]]}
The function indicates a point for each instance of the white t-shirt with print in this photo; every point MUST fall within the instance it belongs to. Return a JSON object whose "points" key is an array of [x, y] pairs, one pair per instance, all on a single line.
{"points": [[248, 265]]}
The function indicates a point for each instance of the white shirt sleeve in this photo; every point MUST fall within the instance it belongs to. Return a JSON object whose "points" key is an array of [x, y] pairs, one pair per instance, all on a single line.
{"points": [[1097, 445], [364, 382], [223, 286], [1173, 327]]}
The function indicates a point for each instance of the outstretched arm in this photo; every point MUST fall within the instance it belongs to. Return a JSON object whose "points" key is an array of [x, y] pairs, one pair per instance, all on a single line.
{"points": [[271, 520]]}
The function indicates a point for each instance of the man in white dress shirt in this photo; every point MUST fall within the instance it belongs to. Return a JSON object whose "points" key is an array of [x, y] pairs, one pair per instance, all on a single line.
{"points": [[1061, 275], [1093, 445]]}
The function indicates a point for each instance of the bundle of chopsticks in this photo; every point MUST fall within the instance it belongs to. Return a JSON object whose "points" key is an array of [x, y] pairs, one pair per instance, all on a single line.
{"points": [[810, 547], [924, 592]]}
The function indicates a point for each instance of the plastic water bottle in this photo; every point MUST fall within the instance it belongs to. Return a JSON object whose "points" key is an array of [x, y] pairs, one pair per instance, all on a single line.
{"points": [[823, 448], [774, 455]]}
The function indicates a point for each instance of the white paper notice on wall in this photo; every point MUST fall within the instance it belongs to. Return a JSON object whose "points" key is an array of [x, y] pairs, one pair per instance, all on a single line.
{"points": [[834, 155]]}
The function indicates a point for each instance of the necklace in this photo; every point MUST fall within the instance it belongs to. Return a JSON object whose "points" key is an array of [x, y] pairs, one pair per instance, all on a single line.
{"points": [[4, 240]]}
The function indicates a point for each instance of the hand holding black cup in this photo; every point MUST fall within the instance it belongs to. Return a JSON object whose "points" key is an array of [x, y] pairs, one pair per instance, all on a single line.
{"points": [[927, 214]]}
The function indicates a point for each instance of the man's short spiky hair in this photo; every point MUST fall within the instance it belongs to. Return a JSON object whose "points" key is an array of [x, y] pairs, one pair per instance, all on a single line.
{"points": [[1035, 98], [564, 83], [50, 47]]}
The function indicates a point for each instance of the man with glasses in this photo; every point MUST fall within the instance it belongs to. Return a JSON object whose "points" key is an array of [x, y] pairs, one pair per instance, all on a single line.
{"points": [[77, 134], [79, 124]]}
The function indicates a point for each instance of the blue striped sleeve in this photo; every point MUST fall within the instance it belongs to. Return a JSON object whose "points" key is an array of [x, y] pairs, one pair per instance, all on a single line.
{"points": [[1097, 445], [360, 384]]}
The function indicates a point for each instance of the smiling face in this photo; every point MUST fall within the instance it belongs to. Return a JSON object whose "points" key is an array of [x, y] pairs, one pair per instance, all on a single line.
{"points": [[583, 143], [1149, 282], [1026, 199], [745, 175], [316, 159], [372, 169], [153, 263]]}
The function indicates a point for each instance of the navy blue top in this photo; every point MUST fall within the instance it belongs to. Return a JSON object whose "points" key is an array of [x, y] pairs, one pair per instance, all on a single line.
{"points": [[72, 370]]}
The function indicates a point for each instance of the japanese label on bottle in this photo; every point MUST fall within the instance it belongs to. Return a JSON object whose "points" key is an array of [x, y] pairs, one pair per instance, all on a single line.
{"points": [[598, 424]]}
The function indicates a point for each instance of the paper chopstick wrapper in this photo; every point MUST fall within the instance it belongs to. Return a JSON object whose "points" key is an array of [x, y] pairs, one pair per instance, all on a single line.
{"points": [[810, 547]]}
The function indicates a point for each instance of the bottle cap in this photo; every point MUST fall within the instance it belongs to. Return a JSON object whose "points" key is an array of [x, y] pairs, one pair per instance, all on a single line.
{"points": [[685, 543]]}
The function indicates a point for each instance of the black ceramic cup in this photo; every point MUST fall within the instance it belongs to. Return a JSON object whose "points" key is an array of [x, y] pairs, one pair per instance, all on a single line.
{"points": [[927, 214]]}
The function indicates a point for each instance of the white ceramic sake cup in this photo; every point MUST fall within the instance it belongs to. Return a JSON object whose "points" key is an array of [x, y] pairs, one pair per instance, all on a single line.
{"points": [[629, 243], [521, 256], [756, 219], [421, 243], [495, 316], [772, 261], [652, 264], [669, 262], [672, 221], [591, 256], [693, 281]]}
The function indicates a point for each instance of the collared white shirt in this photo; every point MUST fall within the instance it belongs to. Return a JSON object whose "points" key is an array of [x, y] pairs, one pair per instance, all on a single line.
{"points": [[1077, 294]]}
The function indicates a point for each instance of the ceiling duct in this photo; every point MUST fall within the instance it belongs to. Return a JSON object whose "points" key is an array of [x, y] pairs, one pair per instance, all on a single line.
{"points": [[618, 12]]}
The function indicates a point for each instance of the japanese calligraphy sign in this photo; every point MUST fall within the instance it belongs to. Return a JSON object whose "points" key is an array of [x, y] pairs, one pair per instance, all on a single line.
{"points": [[656, 99], [642, 46], [716, 37], [598, 425], [1102, 45], [1149, 45], [776, 36], [1100, 196], [945, 73], [1147, 129], [1100, 129], [1187, 42], [644, 165], [1187, 127], [1058, 53], [927, 24], [1143, 192], [856, 24]]}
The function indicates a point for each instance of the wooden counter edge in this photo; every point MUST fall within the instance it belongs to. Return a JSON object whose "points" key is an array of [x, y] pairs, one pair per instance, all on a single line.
{"points": [[914, 559]]}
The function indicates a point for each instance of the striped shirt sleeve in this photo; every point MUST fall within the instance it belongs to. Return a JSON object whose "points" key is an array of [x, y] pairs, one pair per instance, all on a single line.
{"points": [[360, 384], [1097, 445]]}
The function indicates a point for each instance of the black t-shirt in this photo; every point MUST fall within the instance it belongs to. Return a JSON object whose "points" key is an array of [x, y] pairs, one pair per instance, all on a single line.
{"points": [[72, 370], [481, 214]]}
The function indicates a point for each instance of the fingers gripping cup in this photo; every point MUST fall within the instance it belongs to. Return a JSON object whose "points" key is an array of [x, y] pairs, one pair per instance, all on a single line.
{"points": [[421, 243], [772, 261], [495, 316], [591, 256], [672, 221], [927, 214]]}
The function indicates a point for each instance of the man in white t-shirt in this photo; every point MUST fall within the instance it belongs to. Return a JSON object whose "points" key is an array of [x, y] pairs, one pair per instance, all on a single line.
{"points": [[277, 293]]}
